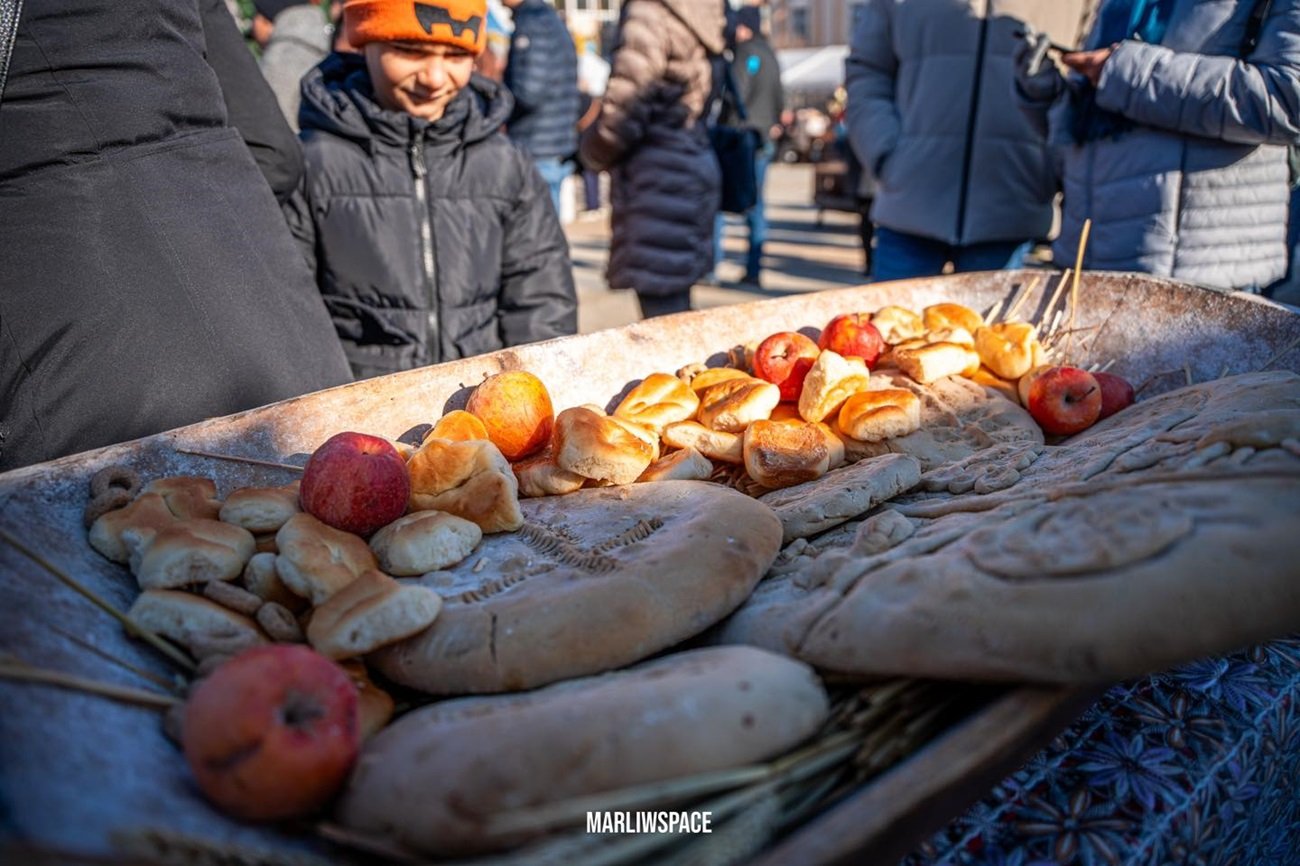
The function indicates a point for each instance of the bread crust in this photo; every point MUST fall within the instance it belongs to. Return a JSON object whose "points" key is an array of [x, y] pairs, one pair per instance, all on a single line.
{"points": [[470, 479], [831, 380], [873, 416], [734, 404], [316, 561], [658, 400], [784, 453], [713, 444], [370, 612], [424, 541], [600, 447]]}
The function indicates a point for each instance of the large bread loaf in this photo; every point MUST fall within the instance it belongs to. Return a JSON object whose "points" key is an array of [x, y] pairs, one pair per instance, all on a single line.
{"points": [[433, 780]]}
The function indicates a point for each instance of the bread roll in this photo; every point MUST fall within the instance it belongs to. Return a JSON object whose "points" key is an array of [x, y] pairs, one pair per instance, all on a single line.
{"points": [[831, 380], [1007, 349], [960, 336], [684, 465], [600, 447], [370, 612], [733, 405], [873, 416], [928, 364], [713, 444], [374, 705], [897, 324], [193, 622], [146, 514], [986, 377], [458, 426], [715, 375], [424, 541], [835, 448], [470, 479], [659, 400], [938, 316], [316, 560], [421, 781], [262, 580], [261, 509], [781, 453], [187, 496], [541, 476], [189, 552]]}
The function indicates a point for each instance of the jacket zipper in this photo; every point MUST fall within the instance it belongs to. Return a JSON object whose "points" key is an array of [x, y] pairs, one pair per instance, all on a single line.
{"points": [[970, 126], [421, 171]]}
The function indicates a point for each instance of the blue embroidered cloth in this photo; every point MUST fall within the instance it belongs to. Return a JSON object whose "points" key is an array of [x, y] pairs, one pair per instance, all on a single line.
{"points": [[1200, 765]]}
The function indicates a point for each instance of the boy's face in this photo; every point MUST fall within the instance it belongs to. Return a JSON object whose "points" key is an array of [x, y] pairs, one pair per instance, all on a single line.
{"points": [[419, 78]]}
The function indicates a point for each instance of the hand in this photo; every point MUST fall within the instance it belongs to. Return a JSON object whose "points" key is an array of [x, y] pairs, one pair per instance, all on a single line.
{"points": [[1037, 78], [1088, 63]]}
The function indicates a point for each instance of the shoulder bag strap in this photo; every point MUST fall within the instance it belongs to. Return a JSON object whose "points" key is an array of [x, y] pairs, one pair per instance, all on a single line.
{"points": [[9, 11]]}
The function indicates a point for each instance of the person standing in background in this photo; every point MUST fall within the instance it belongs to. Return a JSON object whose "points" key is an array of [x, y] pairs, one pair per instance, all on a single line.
{"points": [[651, 136], [758, 80], [964, 179], [147, 279], [542, 75], [294, 36]]}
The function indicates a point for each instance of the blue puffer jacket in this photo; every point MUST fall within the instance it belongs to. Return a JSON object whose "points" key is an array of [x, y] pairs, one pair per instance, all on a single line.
{"points": [[1196, 187], [542, 75]]}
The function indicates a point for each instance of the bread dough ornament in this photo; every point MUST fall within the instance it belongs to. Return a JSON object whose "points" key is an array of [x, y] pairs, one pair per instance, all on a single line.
{"points": [[1163, 534]]}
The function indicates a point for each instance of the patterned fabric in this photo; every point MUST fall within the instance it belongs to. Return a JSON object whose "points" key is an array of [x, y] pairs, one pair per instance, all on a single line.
{"points": [[1199, 766]]}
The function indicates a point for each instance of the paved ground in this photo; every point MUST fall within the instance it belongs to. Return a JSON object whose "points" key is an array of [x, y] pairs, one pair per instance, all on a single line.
{"points": [[800, 255]]}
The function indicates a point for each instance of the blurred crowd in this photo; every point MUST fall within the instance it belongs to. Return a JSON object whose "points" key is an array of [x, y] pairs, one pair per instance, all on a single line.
{"points": [[198, 228]]}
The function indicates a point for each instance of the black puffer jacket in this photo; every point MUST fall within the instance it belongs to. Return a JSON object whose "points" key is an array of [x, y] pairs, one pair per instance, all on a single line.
{"points": [[431, 241], [146, 277], [542, 75]]}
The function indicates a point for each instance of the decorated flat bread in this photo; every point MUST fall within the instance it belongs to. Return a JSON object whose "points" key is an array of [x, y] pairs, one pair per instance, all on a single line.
{"points": [[595, 580]]}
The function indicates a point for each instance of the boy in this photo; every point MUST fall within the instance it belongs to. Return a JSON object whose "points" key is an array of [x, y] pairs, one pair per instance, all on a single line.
{"points": [[431, 236]]}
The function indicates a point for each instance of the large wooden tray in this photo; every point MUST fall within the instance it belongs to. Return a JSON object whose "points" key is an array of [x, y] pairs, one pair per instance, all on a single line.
{"points": [[84, 779]]}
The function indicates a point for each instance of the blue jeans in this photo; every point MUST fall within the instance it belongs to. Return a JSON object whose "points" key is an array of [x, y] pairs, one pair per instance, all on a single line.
{"points": [[901, 256], [553, 172], [755, 221]]}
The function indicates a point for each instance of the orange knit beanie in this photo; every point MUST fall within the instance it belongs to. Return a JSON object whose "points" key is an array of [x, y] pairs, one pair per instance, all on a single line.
{"points": [[462, 23]]}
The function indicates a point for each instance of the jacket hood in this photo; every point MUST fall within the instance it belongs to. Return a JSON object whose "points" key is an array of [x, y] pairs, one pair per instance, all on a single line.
{"points": [[705, 18], [338, 98]]}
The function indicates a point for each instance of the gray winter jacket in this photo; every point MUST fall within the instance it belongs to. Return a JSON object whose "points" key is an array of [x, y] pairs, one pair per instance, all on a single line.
{"points": [[651, 136], [1197, 188], [928, 113], [300, 40]]}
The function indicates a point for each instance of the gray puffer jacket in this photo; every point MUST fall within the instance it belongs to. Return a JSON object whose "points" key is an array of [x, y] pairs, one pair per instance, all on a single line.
{"points": [[1197, 188], [650, 135], [300, 40], [928, 114]]}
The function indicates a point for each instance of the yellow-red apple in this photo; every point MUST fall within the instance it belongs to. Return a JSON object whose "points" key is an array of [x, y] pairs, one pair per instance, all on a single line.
{"points": [[1116, 394], [852, 334], [516, 410], [356, 483], [784, 359], [1064, 400], [272, 733]]}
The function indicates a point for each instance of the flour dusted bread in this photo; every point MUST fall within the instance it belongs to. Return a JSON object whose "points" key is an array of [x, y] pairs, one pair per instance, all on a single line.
{"points": [[421, 782], [841, 495], [194, 622], [261, 509], [370, 612], [470, 479], [872, 416], [602, 448], [595, 580], [684, 465], [145, 515], [713, 444], [659, 400], [785, 453], [734, 404], [189, 552], [424, 541], [831, 380], [316, 561]]}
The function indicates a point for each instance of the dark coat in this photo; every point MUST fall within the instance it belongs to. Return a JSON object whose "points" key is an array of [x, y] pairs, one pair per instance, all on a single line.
{"points": [[147, 280], [758, 79], [651, 136], [542, 75], [430, 241]]}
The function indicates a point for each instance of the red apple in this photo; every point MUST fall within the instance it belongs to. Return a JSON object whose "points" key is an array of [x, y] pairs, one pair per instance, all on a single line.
{"points": [[784, 359], [356, 483], [1064, 400], [852, 334], [1116, 393], [516, 412], [272, 733]]}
